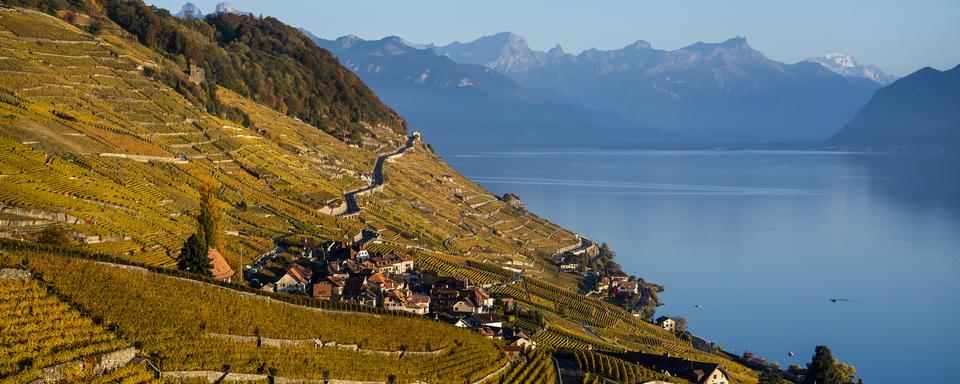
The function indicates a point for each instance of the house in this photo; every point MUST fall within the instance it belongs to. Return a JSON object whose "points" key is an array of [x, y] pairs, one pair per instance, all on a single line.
{"points": [[322, 290], [603, 285], [472, 300], [354, 286], [667, 323], [466, 306], [693, 371], [487, 332], [524, 342], [442, 299], [459, 323], [513, 352], [617, 277], [220, 269], [569, 267], [394, 263], [487, 319], [419, 304], [625, 287], [296, 279], [367, 297], [401, 300], [337, 282], [507, 301], [381, 282]]}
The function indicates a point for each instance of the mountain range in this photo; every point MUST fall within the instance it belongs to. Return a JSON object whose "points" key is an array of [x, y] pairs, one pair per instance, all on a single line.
{"points": [[462, 103], [919, 111], [191, 11], [724, 91]]}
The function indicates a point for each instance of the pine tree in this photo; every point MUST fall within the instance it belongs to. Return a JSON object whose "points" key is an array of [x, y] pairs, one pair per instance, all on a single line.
{"points": [[194, 256], [208, 220], [822, 369]]}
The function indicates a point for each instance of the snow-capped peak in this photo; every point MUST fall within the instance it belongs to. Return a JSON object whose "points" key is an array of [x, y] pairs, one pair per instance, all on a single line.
{"points": [[846, 65], [845, 61], [190, 11], [228, 8]]}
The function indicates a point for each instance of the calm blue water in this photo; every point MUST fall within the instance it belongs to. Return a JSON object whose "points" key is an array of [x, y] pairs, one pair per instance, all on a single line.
{"points": [[763, 240]]}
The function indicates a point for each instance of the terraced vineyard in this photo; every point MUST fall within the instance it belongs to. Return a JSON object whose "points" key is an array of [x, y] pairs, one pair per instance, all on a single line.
{"points": [[176, 320], [37, 330], [618, 370], [536, 367], [129, 374], [459, 216]]}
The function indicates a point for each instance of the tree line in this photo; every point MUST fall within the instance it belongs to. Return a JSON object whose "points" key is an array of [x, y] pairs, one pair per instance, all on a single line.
{"points": [[260, 58]]}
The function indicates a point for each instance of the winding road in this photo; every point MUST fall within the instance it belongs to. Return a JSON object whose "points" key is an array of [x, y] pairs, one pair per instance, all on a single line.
{"points": [[377, 181]]}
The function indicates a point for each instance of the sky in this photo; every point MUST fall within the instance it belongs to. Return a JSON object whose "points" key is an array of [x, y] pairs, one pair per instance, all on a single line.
{"points": [[898, 36]]}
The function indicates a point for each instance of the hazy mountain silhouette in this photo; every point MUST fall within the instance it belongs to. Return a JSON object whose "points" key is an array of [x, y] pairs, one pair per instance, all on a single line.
{"points": [[702, 92], [467, 103], [920, 110]]}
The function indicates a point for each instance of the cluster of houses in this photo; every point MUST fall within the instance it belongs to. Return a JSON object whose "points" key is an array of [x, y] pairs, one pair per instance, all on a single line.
{"points": [[388, 280], [351, 273], [615, 285]]}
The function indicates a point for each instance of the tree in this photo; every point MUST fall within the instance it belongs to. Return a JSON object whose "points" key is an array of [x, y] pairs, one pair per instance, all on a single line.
{"points": [[680, 324], [822, 369], [54, 235], [771, 377], [847, 371], [194, 256], [208, 220]]}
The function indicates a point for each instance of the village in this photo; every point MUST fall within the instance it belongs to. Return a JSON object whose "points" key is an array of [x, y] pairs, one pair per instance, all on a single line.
{"points": [[390, 280], [349, 272]]}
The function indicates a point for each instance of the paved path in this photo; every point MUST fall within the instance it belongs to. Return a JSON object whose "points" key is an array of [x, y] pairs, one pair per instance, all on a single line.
{"points": [[567, 371], [377, 181], [590, 332]]}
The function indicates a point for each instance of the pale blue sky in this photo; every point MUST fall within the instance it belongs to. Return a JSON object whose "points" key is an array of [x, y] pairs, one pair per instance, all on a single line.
{"points": [[899, 36]]}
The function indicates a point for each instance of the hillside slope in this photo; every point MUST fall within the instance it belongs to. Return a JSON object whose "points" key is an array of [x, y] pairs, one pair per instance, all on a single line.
{"points": [[189, 327], [919, 110], [91, 142], [88, 135]]}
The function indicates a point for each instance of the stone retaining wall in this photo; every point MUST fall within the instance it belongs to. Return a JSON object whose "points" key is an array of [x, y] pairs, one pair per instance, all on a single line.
{"points": [[42, 215], [280, 343]]}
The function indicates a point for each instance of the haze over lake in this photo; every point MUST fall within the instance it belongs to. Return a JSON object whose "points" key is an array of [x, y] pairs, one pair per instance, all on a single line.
{"points": [[763, 240]]}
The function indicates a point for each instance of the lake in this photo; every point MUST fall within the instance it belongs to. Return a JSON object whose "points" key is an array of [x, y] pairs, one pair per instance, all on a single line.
{"points": [[763, 240]]}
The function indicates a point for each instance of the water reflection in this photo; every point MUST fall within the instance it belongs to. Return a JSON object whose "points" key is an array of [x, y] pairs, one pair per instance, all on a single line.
{"points": [[763, 241]]}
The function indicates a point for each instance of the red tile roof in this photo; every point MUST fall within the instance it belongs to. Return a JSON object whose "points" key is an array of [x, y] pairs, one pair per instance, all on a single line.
{"points": [[300, 273], [220, 270]]}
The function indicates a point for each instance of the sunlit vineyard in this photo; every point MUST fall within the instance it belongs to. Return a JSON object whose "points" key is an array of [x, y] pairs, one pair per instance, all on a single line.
{"points": [[616, 369], [129, 374], [37, 330], [177, 321], [536, 366]]}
